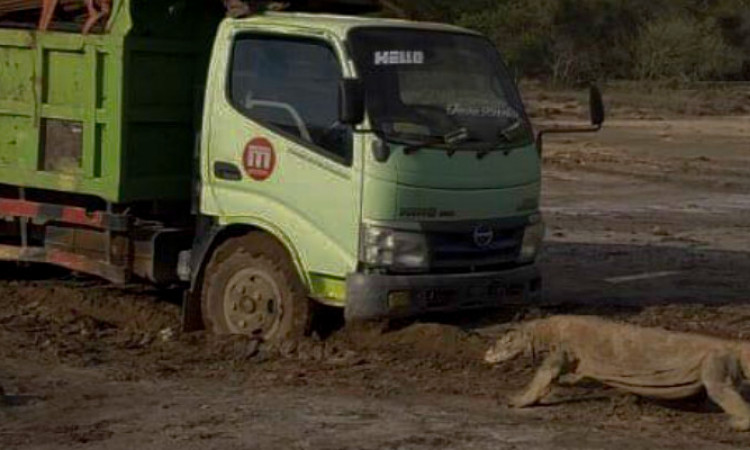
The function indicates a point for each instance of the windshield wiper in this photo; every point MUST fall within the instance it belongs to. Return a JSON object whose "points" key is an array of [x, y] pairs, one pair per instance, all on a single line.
{"points": [[462, 140], [433, 141], [511, 132], [507, 135], [447, 141]]}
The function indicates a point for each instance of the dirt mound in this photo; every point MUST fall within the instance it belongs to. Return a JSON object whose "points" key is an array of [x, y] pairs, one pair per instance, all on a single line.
{"points": [[66, 301], [81, 322], [87, 323], [421, 341]]}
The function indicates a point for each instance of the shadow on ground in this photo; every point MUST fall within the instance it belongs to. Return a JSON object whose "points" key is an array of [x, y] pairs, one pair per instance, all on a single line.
{"points": [[638, 276], [622, 280]]}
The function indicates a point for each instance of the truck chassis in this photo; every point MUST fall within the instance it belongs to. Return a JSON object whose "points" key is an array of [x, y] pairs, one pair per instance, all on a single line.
{"points": [[109, 243]]}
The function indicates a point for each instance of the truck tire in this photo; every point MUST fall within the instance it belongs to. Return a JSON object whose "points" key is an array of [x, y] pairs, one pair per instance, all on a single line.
{"points": [[251, 287]]}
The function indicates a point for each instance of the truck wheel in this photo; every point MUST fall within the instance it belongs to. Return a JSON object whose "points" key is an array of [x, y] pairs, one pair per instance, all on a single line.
{"points": [[251, 287]]}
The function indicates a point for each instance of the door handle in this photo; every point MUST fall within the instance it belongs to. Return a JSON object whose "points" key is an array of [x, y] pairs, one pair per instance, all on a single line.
{"points": [[227, 171]]}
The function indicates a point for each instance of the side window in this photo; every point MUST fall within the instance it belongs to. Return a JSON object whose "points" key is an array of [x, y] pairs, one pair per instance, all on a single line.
{"points": [[291, 85]]}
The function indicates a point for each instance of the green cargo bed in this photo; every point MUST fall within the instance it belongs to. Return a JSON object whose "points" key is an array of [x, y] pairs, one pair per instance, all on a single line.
{"points": [[112, 115]]}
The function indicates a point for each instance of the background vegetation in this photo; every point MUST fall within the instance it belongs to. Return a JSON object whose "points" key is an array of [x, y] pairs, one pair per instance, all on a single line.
{"points": [[574, 41]]}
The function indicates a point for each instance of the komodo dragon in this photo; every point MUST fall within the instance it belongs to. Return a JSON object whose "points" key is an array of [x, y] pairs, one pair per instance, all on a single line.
{"points": [[645, 361]]}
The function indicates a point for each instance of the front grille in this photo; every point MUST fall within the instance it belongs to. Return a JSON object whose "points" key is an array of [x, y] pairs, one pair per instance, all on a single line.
{"points": [[457, 250]]}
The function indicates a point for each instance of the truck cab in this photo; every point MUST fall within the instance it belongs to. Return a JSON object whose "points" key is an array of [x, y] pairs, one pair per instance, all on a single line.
{"points": [[272, 166], [392, 160]]}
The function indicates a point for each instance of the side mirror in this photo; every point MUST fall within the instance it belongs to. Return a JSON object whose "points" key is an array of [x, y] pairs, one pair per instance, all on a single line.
{"points": [[596, 106], [351, 102]]}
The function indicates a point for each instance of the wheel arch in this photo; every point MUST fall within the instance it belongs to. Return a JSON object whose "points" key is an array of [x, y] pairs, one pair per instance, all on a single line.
{"points": [[210, 235]]}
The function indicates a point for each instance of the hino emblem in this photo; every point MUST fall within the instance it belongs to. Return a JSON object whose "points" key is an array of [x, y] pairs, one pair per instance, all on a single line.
{"points": [[483, 236]]}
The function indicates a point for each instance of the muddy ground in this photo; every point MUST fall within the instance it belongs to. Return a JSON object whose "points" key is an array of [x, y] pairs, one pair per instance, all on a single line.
{"points": [[648, 223]]}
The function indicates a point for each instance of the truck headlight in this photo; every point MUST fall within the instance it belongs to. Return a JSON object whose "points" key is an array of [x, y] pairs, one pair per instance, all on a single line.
{"points": [[393, 249], [533, 237]]}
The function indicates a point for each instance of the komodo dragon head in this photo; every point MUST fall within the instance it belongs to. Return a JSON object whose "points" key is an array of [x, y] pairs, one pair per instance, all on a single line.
{"points": [[510, 345]]}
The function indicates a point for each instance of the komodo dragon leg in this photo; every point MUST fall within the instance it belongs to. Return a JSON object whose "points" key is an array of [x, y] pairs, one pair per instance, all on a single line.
{"points": [[570, 379], [541, 385], [720, 382]]}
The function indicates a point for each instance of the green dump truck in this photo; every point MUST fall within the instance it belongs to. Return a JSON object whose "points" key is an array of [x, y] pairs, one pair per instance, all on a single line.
{"points": [[273, 163]]}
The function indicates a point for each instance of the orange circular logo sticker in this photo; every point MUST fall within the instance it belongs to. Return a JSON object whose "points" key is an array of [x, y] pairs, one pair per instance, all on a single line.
{"points": [[259, 159]]}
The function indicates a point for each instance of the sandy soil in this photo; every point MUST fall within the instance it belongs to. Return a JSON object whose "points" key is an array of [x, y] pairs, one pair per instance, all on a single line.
{"points": [[648, 223]]}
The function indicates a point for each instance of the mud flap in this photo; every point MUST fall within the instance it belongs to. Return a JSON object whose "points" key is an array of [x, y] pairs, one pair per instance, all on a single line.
{"points": [[192, 319]]}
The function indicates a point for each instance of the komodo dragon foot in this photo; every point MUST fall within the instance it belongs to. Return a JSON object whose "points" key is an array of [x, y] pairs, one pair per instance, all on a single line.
{"points": [[520, 401], [739, 424], [719, 376]]}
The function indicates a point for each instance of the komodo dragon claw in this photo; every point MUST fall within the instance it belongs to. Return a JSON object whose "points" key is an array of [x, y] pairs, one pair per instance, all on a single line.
{"points": [[520, 401], [740, 424]]}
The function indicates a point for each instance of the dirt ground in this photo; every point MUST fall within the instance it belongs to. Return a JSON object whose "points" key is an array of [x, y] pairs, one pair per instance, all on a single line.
{"points": [[648, 223]]}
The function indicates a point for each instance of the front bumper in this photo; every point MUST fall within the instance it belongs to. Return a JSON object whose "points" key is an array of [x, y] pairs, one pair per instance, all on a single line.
{"points": [[387, 296]]}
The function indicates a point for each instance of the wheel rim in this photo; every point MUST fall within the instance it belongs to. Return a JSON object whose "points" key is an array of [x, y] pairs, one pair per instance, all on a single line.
{"points": [[252, 304]]}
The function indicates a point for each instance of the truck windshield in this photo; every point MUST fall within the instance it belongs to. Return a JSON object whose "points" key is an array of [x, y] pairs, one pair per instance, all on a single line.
{"points": [[428, 88]]}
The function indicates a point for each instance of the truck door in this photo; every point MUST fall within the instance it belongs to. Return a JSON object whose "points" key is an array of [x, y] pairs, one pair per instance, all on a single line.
{"points": [[276, 155]]}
